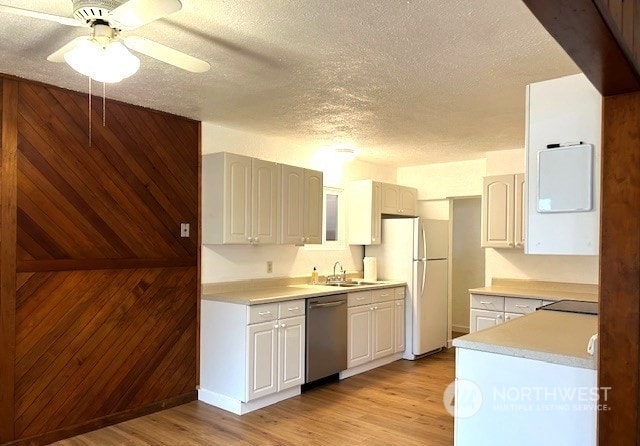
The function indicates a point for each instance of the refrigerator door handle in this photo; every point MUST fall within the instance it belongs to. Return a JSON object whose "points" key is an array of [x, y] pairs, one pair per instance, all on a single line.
{"points": [[424, 278], [424, 240]]}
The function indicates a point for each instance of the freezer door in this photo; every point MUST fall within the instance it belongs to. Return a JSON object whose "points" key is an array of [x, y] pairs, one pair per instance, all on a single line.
{"points": [[430, 306], [437, 238]]}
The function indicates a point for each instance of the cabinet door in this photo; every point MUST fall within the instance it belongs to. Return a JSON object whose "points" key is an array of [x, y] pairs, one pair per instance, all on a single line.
{"points": [[497, 212], [262, 359], [511, 316], [481, 319], [376, 213], [384, 317], [399, 326], [264, 203], [292, 205], [519, 211], [408, 201], [237, 199], [390, 203], [313, 207], [359, 335], [291, 352]]}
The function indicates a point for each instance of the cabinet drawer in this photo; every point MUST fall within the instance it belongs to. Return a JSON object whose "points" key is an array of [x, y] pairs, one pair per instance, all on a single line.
{"points": [[291, 308], [263, 313], [400, 292], [484, 302], [521, 305], [383, 295], [359, 298]]}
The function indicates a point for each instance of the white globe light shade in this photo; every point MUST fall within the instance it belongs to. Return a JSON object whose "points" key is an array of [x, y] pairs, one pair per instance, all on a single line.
{"points": [[108, 64]]}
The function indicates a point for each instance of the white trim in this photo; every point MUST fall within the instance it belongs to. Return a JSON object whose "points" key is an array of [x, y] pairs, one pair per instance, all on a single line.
{"points": [[370, 365], [460, 329], [238, 407]]}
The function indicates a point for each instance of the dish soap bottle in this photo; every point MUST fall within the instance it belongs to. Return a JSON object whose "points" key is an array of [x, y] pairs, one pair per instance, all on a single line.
{"points": [[314, 276]]}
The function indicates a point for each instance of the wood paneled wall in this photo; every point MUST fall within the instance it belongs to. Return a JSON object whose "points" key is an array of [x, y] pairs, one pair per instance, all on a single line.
{"points": [[100, 291]]}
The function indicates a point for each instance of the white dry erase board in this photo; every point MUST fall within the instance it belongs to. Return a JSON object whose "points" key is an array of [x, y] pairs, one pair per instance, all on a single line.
{"points": [[565, 179]]}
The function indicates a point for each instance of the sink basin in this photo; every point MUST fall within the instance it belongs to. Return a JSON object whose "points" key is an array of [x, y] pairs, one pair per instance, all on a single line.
{"points": [[343, 284]]}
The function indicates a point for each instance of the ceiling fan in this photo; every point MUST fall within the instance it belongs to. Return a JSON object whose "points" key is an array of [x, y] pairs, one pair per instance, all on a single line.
{"points": [[103, 54]]}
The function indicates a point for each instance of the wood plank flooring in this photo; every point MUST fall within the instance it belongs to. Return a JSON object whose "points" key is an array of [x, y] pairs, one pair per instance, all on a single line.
{"points": [[399, 404]]}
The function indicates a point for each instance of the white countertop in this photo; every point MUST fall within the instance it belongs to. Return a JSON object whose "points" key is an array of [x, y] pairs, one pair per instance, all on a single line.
{"points": [[290, 292], [550, 336]]}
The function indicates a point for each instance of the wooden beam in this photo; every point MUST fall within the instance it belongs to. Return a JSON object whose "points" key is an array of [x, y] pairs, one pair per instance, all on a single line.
{"points": [[619, 317], [8, 215], [586, 31]]}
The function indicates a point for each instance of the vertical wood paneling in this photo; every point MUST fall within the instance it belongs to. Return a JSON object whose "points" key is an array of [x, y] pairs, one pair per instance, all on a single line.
{"points": [[99, 293], [8, 186], [619, 316]]}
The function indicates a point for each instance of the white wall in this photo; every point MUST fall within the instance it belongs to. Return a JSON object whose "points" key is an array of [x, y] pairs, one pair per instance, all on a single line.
{"points": [[437, 181], [221, 263]]}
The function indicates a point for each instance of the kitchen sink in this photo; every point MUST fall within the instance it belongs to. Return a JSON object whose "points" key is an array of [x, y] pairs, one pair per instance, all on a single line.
{"points": [[343, 284], [350, 284]]}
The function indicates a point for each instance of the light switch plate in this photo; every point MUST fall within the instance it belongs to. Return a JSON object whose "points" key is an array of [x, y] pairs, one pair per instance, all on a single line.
{"points": [[184, 229]]}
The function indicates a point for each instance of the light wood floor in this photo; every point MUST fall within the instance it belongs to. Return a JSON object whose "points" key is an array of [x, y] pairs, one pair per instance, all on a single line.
{"points": [[399, 404]]}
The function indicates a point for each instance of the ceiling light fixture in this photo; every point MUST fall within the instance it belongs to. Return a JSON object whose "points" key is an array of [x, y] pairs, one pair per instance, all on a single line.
{"points": [[344, 154], [102, 57]]}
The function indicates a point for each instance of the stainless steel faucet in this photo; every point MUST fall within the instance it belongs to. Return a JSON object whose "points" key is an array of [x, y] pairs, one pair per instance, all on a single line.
{"points": [[342, 277]]}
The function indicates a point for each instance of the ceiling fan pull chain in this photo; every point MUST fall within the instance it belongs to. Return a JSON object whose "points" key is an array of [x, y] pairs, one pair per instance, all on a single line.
{"points": [[89, 111], [104, 104]]}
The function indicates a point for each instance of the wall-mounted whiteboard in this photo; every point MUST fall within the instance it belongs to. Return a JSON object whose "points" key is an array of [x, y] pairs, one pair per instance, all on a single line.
{"points": [[565, 179]]}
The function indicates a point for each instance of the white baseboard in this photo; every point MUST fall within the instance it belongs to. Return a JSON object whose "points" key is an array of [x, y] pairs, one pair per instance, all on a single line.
{"points": [[238, 407], [370, 365], [460, 328]]}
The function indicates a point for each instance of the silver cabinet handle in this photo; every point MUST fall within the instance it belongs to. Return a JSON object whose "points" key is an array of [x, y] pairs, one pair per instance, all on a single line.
{"points": [[522, 306], [499, 316], [250, 239], [302, 239], [276, 326], [264, 313], [283, 325], [484, 302], [293, 308]]}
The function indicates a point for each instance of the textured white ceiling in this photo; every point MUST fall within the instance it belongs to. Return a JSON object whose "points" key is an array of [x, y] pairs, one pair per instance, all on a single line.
{"points": [[408, 82]]}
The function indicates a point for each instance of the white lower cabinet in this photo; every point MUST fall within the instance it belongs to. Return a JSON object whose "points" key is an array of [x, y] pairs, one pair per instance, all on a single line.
{"points": [[481, 319], [275, 356], [375, 327], [488, 311], [251, 356]]}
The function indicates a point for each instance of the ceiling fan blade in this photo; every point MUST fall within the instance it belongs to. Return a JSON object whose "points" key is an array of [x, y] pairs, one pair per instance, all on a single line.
{"points": [[166, 54], [135, 13], [40, 15], [58, 56]]}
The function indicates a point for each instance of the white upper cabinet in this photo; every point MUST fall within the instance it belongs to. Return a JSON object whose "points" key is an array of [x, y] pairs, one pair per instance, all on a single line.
{"points": [[502, 211], [399, 200], [560, 111], [292, 213], [239, 200], [313, 195], [264, 202], [251, 201], [364, 212], [368, 200]]}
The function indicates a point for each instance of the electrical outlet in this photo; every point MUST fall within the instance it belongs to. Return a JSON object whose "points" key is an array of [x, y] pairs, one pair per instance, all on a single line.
{"points": [[269, 266], [184, 229]]}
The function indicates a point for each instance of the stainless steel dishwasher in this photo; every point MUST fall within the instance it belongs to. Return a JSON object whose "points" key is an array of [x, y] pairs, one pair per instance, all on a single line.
{"points": [[326, 336]]}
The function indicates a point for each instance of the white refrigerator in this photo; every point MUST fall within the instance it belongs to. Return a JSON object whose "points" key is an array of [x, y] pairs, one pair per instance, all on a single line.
{"points": [[415, 251]]}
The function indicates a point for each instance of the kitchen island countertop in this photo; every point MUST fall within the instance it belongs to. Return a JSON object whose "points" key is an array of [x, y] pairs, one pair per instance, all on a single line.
{"points": [[550, 336]]}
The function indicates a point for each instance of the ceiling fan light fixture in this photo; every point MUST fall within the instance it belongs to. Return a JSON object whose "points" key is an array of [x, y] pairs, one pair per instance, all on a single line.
{"points": [[110, 63]]}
